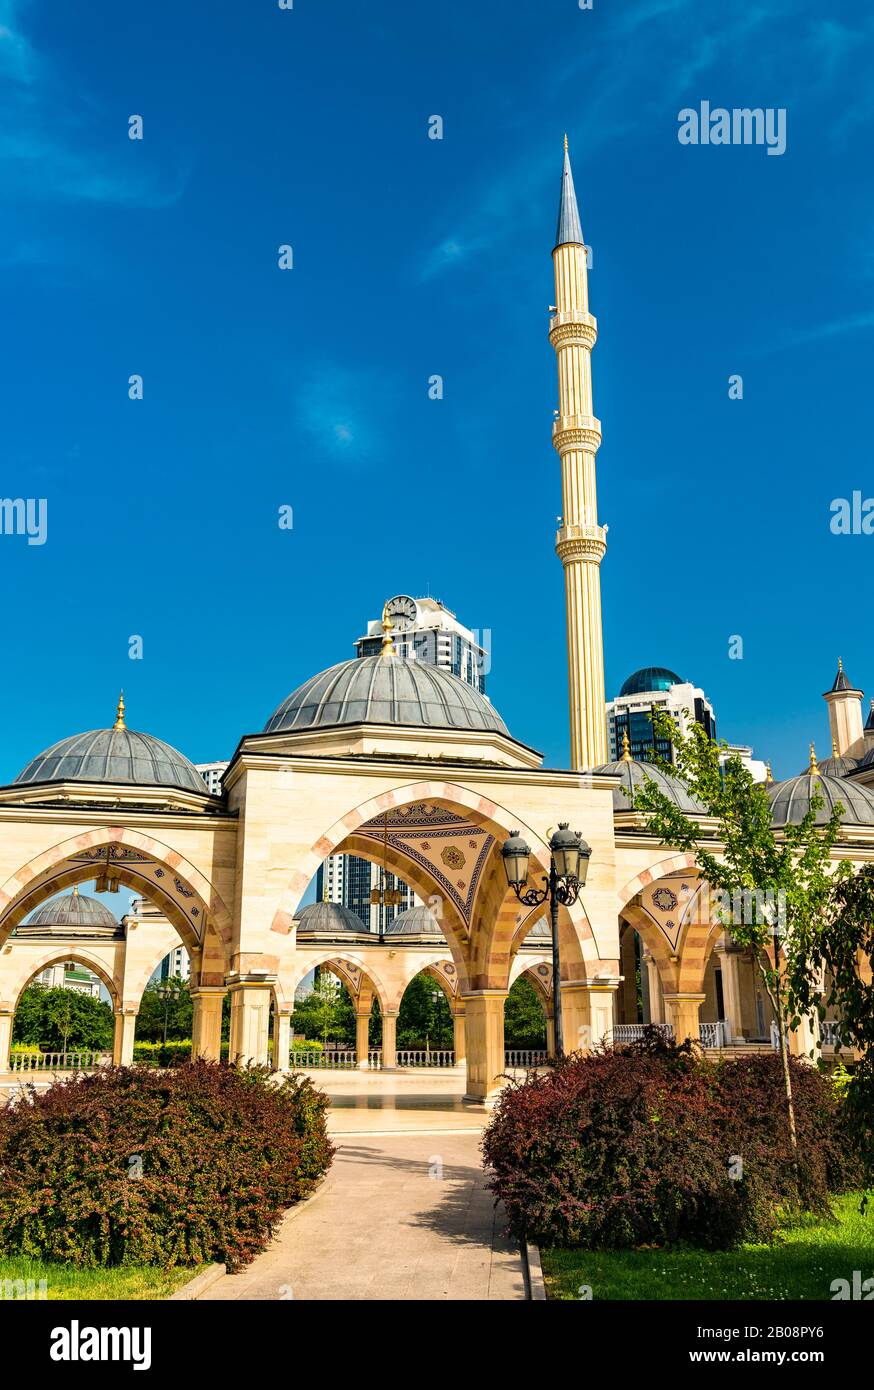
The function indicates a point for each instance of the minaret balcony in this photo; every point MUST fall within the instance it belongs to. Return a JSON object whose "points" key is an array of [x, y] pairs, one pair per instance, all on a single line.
{"points": [[573, 328], [581, 432], [576, 541]]}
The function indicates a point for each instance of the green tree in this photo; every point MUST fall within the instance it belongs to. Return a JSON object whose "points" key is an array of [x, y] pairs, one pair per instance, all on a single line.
{"points": [[771, 888], [524, 1019], [424, 1017], [326, 1012], [61, 1020], [177, 1007]]}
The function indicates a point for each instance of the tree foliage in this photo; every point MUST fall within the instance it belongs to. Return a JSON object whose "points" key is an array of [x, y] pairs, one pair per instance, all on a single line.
{"points": [[524, 1019], [60, 1019]]}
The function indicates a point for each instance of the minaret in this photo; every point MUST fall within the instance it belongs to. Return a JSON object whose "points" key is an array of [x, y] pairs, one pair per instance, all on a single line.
{"points": [[576, 435], [845, 715]]}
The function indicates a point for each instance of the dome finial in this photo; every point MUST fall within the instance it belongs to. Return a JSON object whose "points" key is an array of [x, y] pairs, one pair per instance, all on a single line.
{"points": [[565, 142], [626, 747], [119, 713], [75, 892], [834, 748], [769, 776], [840, 663], [388, 641], [813, 770]]}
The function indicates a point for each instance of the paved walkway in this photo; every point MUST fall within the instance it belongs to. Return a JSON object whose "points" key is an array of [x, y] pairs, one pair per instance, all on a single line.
{"points": [[404, 1212]]}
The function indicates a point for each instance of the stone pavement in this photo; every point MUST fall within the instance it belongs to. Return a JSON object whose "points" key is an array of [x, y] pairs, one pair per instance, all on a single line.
{"points": [[404, 1212]]}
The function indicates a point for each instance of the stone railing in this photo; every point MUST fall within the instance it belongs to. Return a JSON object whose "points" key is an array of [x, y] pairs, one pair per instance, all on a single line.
{"points": [[830, 1032], [517, 1059], [714, 1034], [342, 1059], [632, 1032], [419, 1057], [58, 1061]]}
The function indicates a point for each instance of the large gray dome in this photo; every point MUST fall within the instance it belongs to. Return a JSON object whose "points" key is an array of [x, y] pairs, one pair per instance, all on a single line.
{"points": [[330, 918], [633, 774], [73, 912], [114, 756], [417, 921], [385, 690], [790, 801]]}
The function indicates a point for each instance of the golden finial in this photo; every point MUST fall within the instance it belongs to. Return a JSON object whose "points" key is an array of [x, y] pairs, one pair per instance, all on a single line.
{"points": [[626, 747], [565, 142], [119, 713], [813, 770], [388, 642], [769, 776], [834, 748], [75, 890], [840, 664]]}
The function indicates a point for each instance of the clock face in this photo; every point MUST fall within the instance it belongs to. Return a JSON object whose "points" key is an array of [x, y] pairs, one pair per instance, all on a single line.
{"points": [[402, 611]]}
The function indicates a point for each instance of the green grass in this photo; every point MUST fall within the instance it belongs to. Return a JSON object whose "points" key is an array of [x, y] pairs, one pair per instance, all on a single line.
{"points": [[65, 1281], [802, 1263]]}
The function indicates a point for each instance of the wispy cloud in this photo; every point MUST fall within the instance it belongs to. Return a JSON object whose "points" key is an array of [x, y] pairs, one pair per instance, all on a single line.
{"points": [[342, 411], [53, 145], [662, 60], [836, 328]]}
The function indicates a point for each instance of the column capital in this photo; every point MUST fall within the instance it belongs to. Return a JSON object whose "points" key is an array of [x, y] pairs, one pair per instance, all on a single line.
{"points": [[689, 998]]}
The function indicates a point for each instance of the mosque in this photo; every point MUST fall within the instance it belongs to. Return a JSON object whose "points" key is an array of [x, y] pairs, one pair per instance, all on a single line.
{"points": [[397, 761]]}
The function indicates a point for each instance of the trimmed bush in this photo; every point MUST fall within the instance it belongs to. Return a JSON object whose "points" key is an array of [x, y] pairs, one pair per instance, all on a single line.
{"points": [[133, 1166], [650, 1145]]}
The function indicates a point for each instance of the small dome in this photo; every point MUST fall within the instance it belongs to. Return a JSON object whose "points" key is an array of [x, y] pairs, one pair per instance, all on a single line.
{"points": [[385, 690], [114, 756], [73, 911], [790, 801], [650, 678], [835, 766], [417, 921], [634, 773], [330, 918]]}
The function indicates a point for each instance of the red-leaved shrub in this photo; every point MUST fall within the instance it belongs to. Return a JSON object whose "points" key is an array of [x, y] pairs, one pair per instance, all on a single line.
{"points": [[178, 1167], [651, 1145]]}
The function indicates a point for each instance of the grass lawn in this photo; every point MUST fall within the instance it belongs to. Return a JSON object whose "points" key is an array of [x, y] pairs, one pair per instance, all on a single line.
{"points": [[64, 1281], [802, 1263]]}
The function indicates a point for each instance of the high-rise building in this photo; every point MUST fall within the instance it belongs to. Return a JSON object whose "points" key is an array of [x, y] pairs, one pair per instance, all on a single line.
{"points": [[426, 630], [655, 687]]}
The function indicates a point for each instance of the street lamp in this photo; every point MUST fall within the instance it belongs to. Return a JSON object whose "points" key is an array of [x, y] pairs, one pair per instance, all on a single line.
{"points": [[569, 857], [165, 992]]}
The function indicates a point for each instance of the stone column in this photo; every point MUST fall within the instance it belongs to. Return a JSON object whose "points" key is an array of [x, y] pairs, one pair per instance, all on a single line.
{"points": [[6, 1021], [484, 1010], [389, 1042], [654, 989], [281, 1041], [587, 1014], [683, 1012], [729, 958], [123, 1039], [805, 1039], [206, 1028], [362, 1040], [458, 1036], [250, 1023], [550, 1033]]}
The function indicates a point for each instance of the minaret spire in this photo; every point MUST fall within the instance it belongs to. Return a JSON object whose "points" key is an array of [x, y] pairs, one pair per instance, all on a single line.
{"points": [[576, 435], [568, 230]]}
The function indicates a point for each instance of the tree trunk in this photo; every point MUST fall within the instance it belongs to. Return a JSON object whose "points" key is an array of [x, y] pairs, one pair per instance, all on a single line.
{"points": [[776, 1001]]}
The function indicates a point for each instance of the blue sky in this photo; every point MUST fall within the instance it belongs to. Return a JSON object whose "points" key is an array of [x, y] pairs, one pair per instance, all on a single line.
{"points": [[412, 256]]}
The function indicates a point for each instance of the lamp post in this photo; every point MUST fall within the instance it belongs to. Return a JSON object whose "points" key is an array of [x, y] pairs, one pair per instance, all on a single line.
{"points": [[568, 866], [165, 991]]}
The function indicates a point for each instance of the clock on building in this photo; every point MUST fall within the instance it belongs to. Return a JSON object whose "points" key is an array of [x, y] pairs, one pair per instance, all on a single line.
{"points": [[402, 611]]}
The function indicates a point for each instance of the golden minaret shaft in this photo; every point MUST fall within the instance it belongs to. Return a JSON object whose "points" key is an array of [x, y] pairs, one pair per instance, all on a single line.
{"points": [[576, 434]]}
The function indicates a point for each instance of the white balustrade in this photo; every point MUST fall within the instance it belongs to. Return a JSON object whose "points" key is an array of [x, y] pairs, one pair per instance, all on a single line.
{"points": [[519, 1059], [57, 1061]]}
